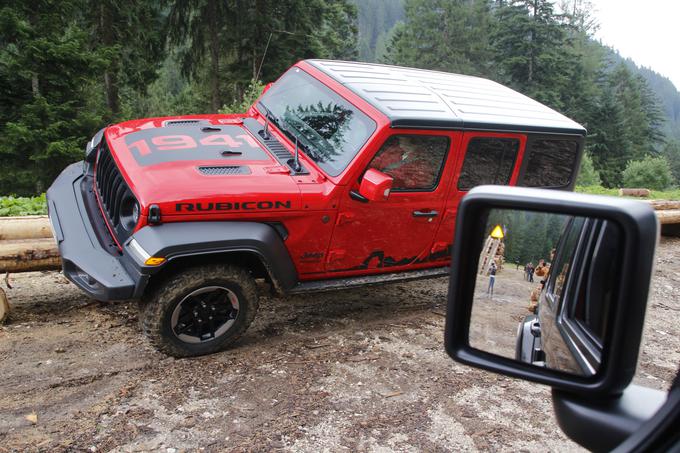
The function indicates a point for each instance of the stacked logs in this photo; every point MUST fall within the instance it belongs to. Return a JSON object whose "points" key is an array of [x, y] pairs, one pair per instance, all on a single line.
{"points": [[26, 244]]}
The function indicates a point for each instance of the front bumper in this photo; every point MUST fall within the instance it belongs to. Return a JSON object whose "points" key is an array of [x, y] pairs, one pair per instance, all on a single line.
{"points": [[89, 256]]}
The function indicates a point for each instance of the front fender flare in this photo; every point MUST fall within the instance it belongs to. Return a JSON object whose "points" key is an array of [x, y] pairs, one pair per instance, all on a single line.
{"points": [[183, 239]]}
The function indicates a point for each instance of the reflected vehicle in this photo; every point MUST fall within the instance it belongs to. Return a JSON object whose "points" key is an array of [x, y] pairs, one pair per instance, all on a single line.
{"points": [[568, 329]]}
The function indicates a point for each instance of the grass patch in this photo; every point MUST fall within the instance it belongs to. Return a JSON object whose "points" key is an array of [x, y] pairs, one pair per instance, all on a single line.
{"points": [[673, 194], [12, 206]]}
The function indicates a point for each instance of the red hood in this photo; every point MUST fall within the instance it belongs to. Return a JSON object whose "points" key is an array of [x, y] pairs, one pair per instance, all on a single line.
{"points": [[163, 161]]}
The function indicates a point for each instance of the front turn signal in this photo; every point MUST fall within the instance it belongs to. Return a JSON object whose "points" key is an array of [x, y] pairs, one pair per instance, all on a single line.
{"points": [[154, 261]]}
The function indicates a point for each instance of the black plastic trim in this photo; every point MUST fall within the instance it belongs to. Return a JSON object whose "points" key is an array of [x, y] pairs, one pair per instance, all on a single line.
{"points": [[185, 239], [601, 425], [275, 148], [87, 263]]}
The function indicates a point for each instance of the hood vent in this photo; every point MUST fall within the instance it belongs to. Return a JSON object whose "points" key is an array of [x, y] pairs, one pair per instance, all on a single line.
{"points": [[183, 122], [224, 170]]}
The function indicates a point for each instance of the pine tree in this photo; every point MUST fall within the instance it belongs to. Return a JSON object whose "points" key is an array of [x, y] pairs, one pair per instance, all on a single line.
{"points": [[609, 148], [533, 52], [46, 68], [443, 35], [130, 34]]}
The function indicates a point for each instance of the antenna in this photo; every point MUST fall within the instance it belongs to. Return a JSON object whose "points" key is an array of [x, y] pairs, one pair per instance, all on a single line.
{"points": [[296, 161]]}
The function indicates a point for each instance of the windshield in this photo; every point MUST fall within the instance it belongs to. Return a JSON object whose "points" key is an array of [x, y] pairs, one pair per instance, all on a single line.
{"points": [[330, 130]]}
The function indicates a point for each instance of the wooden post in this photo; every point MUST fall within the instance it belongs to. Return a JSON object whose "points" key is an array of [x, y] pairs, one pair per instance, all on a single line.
{"points": [[4, 306]]}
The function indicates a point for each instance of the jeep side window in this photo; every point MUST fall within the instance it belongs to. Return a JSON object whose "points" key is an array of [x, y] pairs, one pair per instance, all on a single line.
{"points": [[559, 270], [549, 163], [414, 161], [488, 160], [600, 285]]}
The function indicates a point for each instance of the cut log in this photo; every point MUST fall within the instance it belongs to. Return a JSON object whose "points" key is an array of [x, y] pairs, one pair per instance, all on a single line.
{"points": [[28, 227], [634, 192], [669, 216], [662, 205], [25, 255]]}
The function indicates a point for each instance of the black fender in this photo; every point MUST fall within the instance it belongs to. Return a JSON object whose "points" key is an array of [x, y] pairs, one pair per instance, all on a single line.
{"points": [[178, 240]]}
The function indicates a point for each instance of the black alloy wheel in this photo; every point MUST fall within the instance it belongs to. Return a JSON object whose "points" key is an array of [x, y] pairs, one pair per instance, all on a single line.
{"points": [[205, 314]]}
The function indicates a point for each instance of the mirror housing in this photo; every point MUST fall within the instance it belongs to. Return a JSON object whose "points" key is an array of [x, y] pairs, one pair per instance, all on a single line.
{"points": [[639, 228], [375, 185]]}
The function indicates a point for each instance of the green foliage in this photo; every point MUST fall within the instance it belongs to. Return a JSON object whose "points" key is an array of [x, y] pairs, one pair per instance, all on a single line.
{"points": [[376, 19], [529, 236], [443, 35], [250, 95], [68, 68], [671, 151], [587, 175], [46, 67], [533, 52], [272, 34], [649, 173], [13, 206], [673, 194]]}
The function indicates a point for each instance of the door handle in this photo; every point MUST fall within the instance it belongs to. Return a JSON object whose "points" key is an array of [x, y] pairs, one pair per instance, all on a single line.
{"points": [[425, 213]]}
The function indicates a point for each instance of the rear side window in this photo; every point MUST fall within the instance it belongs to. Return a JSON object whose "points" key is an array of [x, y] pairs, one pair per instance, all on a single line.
{"points": [[549, 163], [488, 160]]}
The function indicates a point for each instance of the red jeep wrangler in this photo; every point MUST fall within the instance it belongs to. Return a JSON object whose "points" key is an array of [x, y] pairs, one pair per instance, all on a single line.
{"points": [[341, 174]]}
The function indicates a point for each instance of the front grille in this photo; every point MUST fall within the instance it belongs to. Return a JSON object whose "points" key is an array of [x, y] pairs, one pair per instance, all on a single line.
{"points": [[224, 170], [115, 196]]}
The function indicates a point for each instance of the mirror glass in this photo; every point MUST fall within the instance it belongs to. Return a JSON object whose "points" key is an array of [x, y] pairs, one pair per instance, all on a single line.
{"points": [[544, 289]]}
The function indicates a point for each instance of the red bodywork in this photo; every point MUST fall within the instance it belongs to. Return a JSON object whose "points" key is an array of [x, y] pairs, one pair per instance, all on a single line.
{"points": [[331, 234]]}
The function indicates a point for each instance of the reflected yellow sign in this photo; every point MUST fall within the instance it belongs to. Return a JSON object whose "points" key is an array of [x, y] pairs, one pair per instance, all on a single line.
{"points": [[497, 232]]}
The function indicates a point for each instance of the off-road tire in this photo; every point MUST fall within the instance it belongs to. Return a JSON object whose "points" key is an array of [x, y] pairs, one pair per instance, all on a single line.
{"points": [[156, 308]]}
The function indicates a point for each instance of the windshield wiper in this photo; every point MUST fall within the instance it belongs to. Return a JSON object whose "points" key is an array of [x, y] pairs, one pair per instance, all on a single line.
{"points": [[289, 131]]}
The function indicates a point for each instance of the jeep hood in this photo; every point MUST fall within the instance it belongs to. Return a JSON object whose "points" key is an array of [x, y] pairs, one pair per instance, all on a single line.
{"points": [[200, 164]]}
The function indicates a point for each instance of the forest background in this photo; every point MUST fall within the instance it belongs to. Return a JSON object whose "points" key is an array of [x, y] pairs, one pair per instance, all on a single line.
{"points": [[70, 67]]}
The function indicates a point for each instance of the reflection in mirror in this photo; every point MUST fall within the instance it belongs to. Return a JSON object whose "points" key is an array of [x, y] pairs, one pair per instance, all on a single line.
{"points": [[544, 288]]}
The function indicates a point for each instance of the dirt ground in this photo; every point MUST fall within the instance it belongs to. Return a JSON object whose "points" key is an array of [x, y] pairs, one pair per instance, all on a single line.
{"points": [[361, 370], [495, 317]]}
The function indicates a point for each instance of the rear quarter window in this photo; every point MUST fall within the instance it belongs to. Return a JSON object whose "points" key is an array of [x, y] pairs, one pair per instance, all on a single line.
{"points": [[549, 162], [488, 160]]}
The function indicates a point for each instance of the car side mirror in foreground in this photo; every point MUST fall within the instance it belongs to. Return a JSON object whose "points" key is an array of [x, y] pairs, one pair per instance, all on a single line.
{"points": [[551, 287], [375, 186]]}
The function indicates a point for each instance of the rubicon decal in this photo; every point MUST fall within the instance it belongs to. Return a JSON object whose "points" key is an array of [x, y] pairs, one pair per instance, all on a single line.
{"points": [[232, 206]]}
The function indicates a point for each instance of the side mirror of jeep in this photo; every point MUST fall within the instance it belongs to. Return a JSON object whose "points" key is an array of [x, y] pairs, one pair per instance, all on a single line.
{"points": [[375, 186], [551, 287]]}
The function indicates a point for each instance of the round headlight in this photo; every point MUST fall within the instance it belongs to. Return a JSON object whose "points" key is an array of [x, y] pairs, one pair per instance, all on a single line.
{"points": [[129, 213]]}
